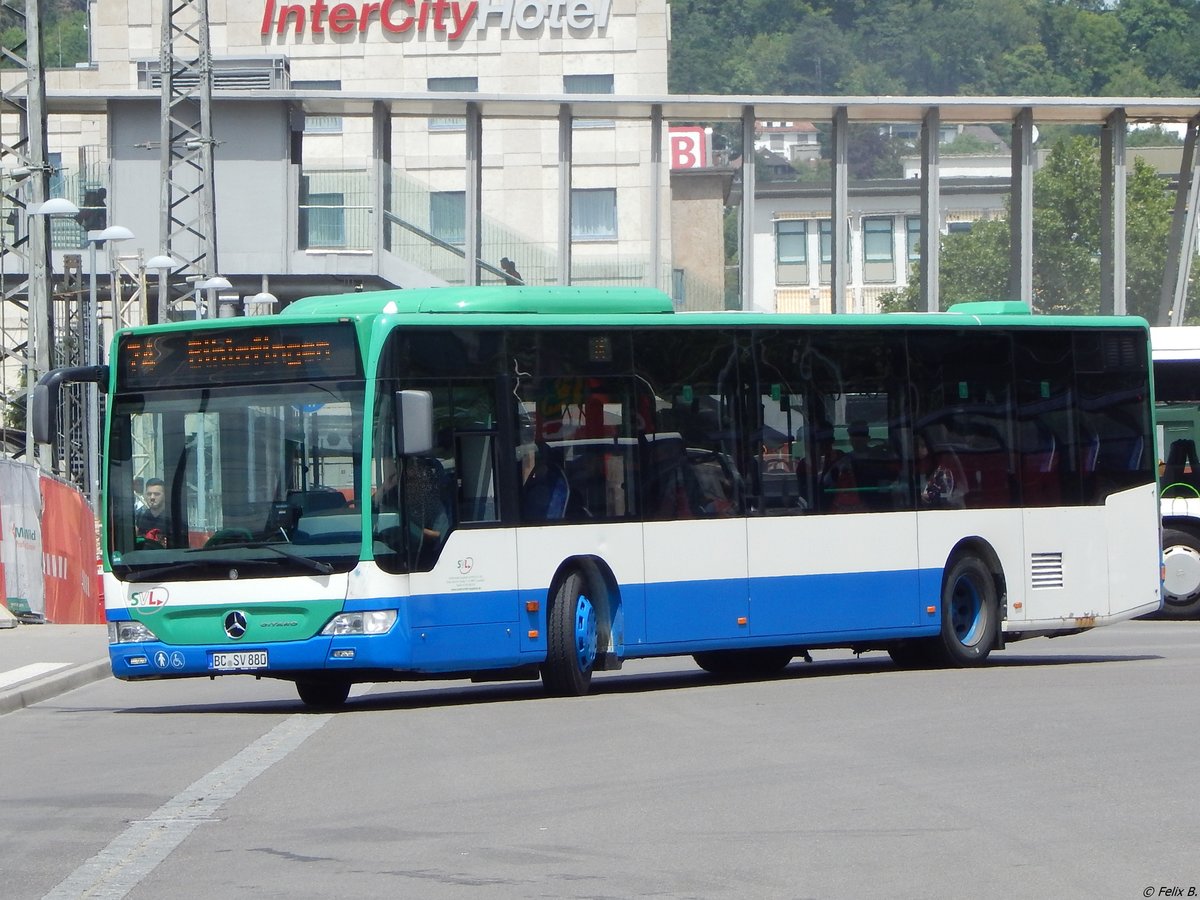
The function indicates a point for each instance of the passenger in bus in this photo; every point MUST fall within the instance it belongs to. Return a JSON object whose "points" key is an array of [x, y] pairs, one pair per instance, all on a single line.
{"points": [[153, 523], [860, 437], [941, 481]]}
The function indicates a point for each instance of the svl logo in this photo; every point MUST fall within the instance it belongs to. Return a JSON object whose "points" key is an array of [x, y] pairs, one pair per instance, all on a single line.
{"points": [[465, 565], [149, 600]]}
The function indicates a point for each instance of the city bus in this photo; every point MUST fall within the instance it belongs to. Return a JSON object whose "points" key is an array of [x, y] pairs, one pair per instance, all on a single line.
{"points": [[1176, 359], [516, 482]]}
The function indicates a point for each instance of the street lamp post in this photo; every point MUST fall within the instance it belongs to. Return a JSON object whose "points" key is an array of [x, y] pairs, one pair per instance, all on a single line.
{"points": [[163, 264], [210, 288], [91, 324]]}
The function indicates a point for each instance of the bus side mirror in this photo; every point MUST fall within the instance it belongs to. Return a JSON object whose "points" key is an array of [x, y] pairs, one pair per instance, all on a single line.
{"points": [[43, 422], [414, 423]]}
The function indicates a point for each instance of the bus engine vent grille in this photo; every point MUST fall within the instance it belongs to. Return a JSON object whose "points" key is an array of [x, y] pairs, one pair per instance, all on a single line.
{"points": [[1046, 570]]}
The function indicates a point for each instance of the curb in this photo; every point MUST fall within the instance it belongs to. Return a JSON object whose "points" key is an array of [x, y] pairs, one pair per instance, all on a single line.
{"points": [[39, 689]]}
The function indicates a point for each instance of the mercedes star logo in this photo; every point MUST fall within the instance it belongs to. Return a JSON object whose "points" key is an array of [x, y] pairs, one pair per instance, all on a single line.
{"points": [[235, 624]]}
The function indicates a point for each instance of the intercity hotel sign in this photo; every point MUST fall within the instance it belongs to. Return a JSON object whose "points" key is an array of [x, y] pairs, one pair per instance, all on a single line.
{"points": [[456, 19]]}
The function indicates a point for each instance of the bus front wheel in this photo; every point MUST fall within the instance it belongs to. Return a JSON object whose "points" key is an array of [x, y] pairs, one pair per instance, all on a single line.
{"points": [[572, 638], [323, 694], [1181, 568], [970, 613]]}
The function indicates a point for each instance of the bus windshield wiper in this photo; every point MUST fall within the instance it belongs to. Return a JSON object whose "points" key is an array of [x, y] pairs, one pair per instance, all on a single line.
{"points": [[157, 572], [308, 562]]}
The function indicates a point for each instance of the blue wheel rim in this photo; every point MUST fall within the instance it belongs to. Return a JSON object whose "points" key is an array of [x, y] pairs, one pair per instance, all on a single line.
{"points": [[966, 608], [585, 633]]}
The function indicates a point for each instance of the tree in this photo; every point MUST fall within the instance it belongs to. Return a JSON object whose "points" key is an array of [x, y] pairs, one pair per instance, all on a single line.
{"points": [[939, 47]]}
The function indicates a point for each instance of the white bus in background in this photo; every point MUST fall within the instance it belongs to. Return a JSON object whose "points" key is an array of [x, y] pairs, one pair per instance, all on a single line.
{"points": [[1176, 353]]}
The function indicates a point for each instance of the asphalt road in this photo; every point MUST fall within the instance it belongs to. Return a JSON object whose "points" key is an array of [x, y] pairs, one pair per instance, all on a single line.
{"points": [[1065, 768]]}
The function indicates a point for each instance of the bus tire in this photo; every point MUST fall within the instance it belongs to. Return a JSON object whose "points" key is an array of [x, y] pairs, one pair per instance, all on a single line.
{"points": [[1181, 562], [970, 613], [323, 694], [759, 662], [572, 638]]}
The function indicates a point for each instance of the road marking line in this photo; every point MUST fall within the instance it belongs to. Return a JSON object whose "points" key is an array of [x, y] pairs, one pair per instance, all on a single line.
{"points": [[33, 670], [132, 855]]}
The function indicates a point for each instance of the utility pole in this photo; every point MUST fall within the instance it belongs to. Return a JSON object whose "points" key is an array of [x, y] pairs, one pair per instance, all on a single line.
{"points": [[188, 225], [25, 310]]}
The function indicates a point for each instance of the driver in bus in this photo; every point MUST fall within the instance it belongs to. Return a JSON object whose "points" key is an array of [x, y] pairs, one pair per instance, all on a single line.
{"points": [[425, 512], [153, 522]]}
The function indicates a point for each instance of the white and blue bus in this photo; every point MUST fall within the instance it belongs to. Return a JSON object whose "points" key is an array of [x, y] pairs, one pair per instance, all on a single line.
{"points": [[514, 482]]}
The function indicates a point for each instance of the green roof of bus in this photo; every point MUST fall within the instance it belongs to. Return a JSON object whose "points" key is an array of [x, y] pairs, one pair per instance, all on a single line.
{"points": [[498, 305], [501, 299], [502, 305]]}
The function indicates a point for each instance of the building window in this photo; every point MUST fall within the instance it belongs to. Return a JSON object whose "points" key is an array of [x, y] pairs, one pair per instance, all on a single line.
{"points": [[326, 220], [879, 252], [791, 241], [461, 85], [877, 240], [912, 225], [593, 214], [959, 227], [448, 216], [791, 251], [320, 124], [589, 84], [826, 242]]}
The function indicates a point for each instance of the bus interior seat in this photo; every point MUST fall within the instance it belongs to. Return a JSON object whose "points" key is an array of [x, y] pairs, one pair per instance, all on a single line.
{"points": [[546, 492], [1181, 462], [672, 489], [1039, 471], [1091, 453], [1119, 454]]}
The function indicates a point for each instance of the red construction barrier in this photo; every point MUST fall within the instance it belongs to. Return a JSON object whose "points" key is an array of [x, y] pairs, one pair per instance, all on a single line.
{"points": [[48, 563], [73, 594]]}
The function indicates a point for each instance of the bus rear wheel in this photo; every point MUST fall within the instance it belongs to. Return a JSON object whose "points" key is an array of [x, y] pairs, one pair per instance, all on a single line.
{"points": [[323, 694], [970, 613], [572, 636], [1181, 566]]}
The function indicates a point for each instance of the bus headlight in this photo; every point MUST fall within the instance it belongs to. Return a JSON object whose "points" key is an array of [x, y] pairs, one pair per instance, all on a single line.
{"points": [[129, 633], [375, 621]]}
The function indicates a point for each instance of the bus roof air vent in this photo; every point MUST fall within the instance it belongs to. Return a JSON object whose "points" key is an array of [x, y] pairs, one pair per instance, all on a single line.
{"points": [[991, 308], [506, 300]]}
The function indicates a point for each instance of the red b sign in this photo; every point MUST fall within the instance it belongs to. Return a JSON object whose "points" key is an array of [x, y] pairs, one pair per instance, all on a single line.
{"points": [[689, 147]]}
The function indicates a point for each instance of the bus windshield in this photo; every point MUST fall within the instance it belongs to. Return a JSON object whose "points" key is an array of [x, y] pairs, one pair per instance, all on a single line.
{"points": [[261, 480]]}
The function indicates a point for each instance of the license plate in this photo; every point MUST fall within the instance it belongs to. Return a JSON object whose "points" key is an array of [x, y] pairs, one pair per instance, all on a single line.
{"points": [[243, 659]]}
